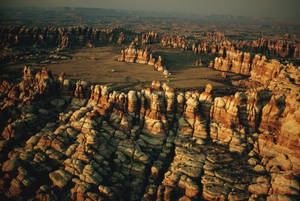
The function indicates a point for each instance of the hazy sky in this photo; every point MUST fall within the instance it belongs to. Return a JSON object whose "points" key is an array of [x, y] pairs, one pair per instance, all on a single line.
{"points": [[265, 8]]}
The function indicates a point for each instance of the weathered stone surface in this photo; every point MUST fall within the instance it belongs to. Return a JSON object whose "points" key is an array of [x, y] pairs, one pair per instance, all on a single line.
{"points": [[142, 56], [285, 184], [259, 189], [10, 165], [60, 178], [190, 145]]}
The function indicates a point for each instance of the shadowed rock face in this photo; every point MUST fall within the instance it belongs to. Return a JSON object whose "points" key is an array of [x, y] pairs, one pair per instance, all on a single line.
{"points": [[149, 38], [62, 140], [41, 39], [20, 43]]}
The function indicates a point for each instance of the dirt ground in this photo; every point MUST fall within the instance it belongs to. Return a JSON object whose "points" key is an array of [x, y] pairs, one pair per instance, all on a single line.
{"points": [[100, 65]]}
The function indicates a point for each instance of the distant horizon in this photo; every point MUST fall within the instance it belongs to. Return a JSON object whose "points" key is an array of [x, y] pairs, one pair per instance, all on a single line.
{"points": [[177, 13], [278, 9]]}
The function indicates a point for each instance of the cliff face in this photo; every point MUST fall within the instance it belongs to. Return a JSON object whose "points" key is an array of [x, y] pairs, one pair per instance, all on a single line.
{"points": [[143, 56], [174, 42], [91, 142], [59, 36], [235, 61], [38, 40]]}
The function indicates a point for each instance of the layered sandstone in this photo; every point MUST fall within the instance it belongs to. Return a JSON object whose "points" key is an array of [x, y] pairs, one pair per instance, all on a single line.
{"points": [[235, 61], [92, 142], [142, 56]]}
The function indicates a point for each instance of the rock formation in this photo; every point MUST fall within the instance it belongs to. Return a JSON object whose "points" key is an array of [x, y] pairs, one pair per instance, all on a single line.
{"points": [[149, 38], [198, 62], [235, 61], [65, 140], [133, 55], [143, 56], [174, 42], [38, 39]]}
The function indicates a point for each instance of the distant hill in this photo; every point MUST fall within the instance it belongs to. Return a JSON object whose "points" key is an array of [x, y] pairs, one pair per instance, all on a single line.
{"points": [[66, 16]]}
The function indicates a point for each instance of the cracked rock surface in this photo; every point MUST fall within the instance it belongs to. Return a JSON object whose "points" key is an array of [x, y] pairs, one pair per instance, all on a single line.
{"points": [[62, 140]]}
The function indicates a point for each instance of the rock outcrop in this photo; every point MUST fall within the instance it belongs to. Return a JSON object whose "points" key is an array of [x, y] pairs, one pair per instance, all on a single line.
{"points": [[38, 39], [150, 38], [142, 56], [75, 141], [235, 61]]}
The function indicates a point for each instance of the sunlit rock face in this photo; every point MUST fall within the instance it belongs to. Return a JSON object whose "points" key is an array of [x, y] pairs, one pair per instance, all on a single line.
{"points": [[235, 61], [131, 54], [143, 56], [65, 140], [174, 42]]}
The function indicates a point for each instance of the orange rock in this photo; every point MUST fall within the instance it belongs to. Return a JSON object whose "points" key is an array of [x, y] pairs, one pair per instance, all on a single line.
{"points": [[264, 71], [270, 116], [27, 73], [151, 60], [143, 56], [132, 101], [158, 64], [225, 111], [122, 56]]}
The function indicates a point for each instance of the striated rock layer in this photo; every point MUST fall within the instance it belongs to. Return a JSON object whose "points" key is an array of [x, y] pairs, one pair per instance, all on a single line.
{"points": [[142, 56], [62, 140]]}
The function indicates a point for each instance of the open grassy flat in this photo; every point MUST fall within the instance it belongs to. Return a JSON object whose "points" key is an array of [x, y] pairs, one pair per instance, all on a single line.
{"points": [[100, 65]]}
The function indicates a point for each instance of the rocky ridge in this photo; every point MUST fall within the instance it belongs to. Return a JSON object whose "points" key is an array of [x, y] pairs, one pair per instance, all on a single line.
{"points": [[142, 56], [39, 41], [89, 142]]}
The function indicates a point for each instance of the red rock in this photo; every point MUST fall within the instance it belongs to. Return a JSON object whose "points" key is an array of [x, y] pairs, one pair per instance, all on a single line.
{"points": [[259, 189], [121, 38], [170, 98], [16, 188], [143, 56], [8, 133], [27, 73], [131, 53], [214, 192], [206, 101], [200, 130], [158, 64], [213, 49], [246, 68], [81, 90], [270, 116], [168, 193], [122, 56], [198, 62], [180, 103], [149, 38], [13, 93], [191, 109], [225, 111], [284, 185], [155, 119], [191, 189], [151, 60], [4, 87], [132, 101], [156, 85], [264, 71]]}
